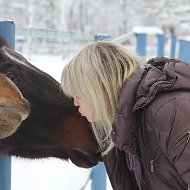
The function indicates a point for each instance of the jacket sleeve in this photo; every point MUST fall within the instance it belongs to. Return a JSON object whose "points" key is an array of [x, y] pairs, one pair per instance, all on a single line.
{"points": [[118, 172], [172, 123]]}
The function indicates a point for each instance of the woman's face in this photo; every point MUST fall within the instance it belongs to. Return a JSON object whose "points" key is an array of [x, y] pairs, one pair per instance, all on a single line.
{"points": [[84, 107]]}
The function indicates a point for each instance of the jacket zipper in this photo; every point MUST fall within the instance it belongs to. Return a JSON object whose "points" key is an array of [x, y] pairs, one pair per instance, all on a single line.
{"points": [[152, 166], [157, 154], [188, 138]]}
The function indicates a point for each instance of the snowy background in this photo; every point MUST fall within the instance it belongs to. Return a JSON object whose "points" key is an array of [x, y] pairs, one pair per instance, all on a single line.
{"points": [[114, 17], [48, 174]]}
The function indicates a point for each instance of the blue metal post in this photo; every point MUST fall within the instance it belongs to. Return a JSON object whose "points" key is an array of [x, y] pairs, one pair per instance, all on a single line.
{"points": [[181, 53], [5, 173], [160, 45], [7, 31], [173, 46], [141, 40], [99, 177], [184, 50]]}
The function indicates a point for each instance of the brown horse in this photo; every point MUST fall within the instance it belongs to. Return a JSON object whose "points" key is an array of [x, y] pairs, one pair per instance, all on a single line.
{"points": [[13, 107], [54, 127]]}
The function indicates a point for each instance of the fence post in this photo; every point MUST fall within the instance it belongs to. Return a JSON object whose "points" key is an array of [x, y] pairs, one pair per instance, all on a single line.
{"points": [[160, 45], [7, 31], [141, 44], [99, 177], [184, 51], [173, 46], [181, 53]]}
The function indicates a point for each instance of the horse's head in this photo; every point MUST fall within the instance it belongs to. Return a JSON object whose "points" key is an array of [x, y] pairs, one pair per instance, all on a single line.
{"points": [[13, 107], [54, 127]]}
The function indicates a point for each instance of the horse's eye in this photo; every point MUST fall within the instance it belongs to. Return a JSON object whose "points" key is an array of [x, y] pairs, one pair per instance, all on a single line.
{"points": [[12, 77]]}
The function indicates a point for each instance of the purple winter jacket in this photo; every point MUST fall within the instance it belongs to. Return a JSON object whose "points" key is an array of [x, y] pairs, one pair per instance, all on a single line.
{"points": [[151, 129]]}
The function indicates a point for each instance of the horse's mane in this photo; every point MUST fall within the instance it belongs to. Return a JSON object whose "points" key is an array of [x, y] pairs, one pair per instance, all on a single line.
{"points": [[3, 42]]}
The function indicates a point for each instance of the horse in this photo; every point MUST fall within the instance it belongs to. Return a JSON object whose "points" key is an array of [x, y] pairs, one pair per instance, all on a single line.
{"points": [[54, 127], [14, 108]]}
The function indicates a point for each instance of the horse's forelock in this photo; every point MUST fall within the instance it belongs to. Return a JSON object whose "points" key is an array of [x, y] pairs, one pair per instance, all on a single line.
{"points": [[3, 42]]}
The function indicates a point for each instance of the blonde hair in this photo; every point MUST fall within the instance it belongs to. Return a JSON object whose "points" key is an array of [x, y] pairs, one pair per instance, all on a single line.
{"points": [[97, 73]]}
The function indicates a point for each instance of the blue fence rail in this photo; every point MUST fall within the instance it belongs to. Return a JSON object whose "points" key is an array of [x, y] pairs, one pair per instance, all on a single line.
{"points": [[178, 48]]}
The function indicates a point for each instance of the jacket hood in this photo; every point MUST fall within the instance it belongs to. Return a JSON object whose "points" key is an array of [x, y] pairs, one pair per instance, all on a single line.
{"points": [[161, 74]]}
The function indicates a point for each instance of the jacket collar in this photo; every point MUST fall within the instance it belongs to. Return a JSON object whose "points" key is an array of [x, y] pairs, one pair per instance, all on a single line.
{"points": [[125, 120]]}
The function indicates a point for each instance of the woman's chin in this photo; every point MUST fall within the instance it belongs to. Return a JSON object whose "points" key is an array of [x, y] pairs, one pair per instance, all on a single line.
{"points": [[88, 118]]}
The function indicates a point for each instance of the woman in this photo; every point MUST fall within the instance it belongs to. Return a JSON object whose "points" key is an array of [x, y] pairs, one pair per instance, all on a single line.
{"points": [[139, 114]]}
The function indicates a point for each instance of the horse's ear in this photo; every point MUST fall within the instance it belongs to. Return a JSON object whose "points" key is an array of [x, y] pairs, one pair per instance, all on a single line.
{"points": [[3, 42]]}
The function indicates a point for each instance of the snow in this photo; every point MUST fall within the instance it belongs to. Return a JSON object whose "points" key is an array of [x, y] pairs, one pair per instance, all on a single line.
{"points": [[51, 173], [150, 30], [47, 174], [186, 38], [182, 9]]}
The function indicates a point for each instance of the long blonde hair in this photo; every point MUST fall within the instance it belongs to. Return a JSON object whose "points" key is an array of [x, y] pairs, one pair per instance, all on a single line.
{"points": [[97, 73]]}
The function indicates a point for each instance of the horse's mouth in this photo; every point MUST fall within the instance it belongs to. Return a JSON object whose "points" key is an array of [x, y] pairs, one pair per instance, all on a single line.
{"points": [[9, 122], [10, 110], [84, 159], [10, 119]]}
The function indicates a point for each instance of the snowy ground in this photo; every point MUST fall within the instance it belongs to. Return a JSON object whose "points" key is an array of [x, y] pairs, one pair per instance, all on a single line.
{"points": [[48, 174]]}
